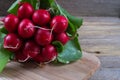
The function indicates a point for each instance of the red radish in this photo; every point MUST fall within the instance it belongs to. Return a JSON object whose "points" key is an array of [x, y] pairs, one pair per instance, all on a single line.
{"points": [[26, 28], [39, 58], [31, 49], [41, 17], [20, 57], [62, 37], [11, 23], [12, 42], [43, 37], [59, 23], [49, 53], [25, 11]]}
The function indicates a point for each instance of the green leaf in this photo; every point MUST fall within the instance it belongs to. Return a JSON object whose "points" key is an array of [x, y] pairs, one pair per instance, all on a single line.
{"points": [[71, 29], [54, 9], [71, 52], [1, 37], [4, 57], [14, 7], [45, 4], [76, 21], [3, 30], [58, 45], [4, 54]]}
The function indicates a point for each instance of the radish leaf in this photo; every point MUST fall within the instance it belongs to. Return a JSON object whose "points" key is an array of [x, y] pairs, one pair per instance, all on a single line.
{"points": [[71, 52], [4, 54]]}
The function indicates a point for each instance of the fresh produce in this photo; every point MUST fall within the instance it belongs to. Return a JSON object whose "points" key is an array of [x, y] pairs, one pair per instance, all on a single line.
{"points": [[49, 53], [40, 31], [43, 37], [25, 10], [26, 28], [21, 57], [12, 42], [41, 17], [31, 49], [60, 24], [11, 23], [62, 37]]}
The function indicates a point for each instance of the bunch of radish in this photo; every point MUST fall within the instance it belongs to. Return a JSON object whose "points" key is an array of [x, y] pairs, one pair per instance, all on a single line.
{"points": [[31, 33], [40, 31]]}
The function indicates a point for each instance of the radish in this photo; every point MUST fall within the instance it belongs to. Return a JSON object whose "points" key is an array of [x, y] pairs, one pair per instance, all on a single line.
{"points": [[60, 24], [26, 28], [49, 53], [31, 49], [39, 59], [62, 37], [20, 57], [43, 37], [41, 17], [25, 10], [12, 42], [11, 22]]}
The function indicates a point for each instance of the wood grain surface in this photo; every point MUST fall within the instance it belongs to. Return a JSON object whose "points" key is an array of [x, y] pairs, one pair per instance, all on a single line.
{"points": [[100, 35], [80, 70]]}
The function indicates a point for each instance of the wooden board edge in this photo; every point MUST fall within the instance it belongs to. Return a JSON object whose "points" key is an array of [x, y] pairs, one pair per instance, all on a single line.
{"points": [[97, 61]]}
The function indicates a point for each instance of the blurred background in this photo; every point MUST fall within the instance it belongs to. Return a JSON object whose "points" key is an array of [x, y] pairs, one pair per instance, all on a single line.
{"points": [[80, 7]]}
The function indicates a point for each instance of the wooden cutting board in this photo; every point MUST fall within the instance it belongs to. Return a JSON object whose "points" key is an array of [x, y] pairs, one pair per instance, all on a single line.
{"points": [[80, 70]]}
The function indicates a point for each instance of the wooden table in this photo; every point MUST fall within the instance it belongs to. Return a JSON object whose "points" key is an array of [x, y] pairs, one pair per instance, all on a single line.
{"points": [[101, 36]]}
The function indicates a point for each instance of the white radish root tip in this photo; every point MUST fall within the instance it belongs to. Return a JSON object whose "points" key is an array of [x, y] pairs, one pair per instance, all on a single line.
{"points": [[25, 59], [11, 46], [50, 60]]}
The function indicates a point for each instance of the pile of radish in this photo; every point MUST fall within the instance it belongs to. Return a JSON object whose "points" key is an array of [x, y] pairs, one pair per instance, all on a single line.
{"points": [[31, 33], [40, 31]]}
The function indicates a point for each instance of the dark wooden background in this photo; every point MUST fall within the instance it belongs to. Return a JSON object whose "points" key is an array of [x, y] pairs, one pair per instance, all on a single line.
{"points": [[80, 7]]}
